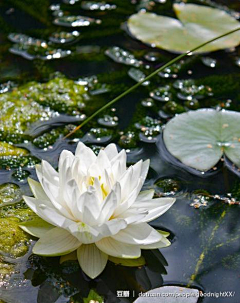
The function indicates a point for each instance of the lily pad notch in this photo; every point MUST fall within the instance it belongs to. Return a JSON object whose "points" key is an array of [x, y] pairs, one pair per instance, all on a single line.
{"points": [[200, 138], [194, 25]]}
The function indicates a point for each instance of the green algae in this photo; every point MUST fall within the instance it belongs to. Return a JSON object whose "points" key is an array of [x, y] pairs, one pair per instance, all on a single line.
{"points": [[15, 162], [60, 94], [34, 102], [19, 210], [10, 150], [49, 138], [14, 157], [13, 241]]}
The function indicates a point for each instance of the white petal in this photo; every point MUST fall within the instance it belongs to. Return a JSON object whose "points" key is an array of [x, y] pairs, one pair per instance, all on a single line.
{"points": [[119, 165], [139, 215], [112, 227], [91, 208], [107, 181], [145, 195], [49, 180], [47, 213], [118, 249], [79, 169], [65, 168], [130, 199], [102, 161], [56, 242], [84, 233], [145, 168], [141, 233], [111, 151], [53, 193], [34, 203], [66, 159], [92, 260], [48, 172], [94, 170], [109, 206], [85, 154], [73, 198], [130, 179], [164, 242], [156, 207], [90, 234], [37, 190], [65, 175]]}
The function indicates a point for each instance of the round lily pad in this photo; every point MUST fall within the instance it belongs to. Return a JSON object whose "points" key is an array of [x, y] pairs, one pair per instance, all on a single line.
{"points": [[195, 25], [200, 138]]}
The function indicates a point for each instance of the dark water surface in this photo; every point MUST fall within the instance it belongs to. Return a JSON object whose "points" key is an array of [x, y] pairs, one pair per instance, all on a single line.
{"points": [[205, 250]]}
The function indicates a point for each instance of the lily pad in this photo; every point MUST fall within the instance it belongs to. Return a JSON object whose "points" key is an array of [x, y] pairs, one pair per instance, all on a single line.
{"points": [[93, 296], [171, 294], [200, 138], [196, 25]]}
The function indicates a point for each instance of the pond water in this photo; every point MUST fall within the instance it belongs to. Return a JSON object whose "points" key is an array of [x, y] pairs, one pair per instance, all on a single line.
{"points": [[40, 103]]}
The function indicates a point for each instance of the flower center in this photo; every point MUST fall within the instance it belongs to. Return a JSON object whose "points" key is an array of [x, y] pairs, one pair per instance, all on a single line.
{"points": [[104, 189]]}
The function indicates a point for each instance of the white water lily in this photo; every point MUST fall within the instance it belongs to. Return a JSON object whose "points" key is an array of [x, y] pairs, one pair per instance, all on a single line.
{"points": [[93, 204]]}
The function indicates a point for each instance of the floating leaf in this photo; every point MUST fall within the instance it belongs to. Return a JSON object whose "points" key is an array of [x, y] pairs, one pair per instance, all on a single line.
{"points": [[196, 24], [93, 296], [69, 257], [169, 294], [200, 138]]}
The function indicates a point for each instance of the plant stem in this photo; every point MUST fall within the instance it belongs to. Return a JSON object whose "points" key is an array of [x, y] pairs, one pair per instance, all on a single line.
{"points": [[147, 78]]}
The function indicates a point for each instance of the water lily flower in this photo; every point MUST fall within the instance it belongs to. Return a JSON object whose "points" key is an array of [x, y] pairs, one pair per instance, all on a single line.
{"points": [[93, 205]]}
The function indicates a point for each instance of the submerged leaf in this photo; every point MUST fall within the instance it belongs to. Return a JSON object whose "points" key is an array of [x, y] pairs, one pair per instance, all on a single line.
{"points": [[196, 25], [200, 138], [70, 257], [128, 262], [164, 233]]}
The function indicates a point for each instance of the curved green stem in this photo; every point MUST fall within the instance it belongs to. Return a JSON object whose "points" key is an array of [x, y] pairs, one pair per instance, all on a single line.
{"points": [[147, 78]]}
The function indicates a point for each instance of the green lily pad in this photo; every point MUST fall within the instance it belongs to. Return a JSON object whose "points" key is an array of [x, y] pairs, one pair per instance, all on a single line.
{"points": [[196, 25], [176, 294], [93, 296], [200, 138]]}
